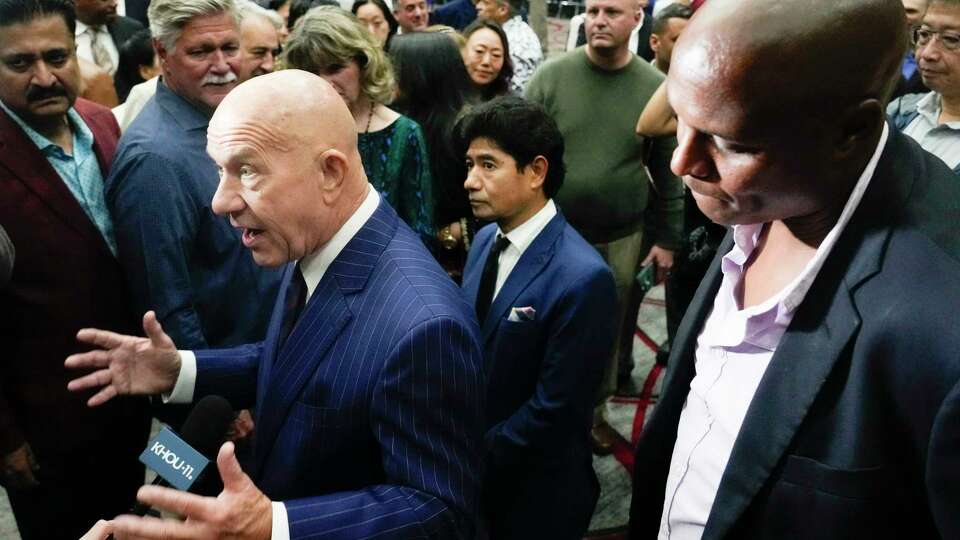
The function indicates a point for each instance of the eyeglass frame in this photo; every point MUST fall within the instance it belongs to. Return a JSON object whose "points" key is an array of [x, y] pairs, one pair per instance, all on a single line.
{"points": [[946, 44]]}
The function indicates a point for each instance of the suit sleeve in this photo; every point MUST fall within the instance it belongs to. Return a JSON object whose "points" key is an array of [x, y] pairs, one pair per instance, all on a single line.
{"points": [[578, 343], [426, 417], [231, 373], [943, 467], [143, 192]]}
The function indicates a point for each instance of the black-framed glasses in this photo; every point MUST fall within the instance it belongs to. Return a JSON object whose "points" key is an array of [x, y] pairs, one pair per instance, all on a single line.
{"points": [[949, 40]]}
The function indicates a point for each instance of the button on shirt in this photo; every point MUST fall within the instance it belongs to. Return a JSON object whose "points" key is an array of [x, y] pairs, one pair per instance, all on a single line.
{"points": [[733, 351], [520, 239], [80, 172], [940, 139]]}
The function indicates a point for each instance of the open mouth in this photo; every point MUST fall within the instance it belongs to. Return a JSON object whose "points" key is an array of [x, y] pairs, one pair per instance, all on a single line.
{"points": [[250, 235]]}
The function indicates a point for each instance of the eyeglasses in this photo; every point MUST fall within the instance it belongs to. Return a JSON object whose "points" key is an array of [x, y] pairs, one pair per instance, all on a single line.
{"points": [[949, 40]]}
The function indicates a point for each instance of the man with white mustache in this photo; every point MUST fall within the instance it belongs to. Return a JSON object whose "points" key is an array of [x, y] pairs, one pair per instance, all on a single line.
{"points": [[180, 259]]}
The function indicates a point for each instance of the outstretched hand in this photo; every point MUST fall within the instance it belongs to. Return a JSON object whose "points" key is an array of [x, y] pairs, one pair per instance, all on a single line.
{"points": [[127, 364], [241, 510]]}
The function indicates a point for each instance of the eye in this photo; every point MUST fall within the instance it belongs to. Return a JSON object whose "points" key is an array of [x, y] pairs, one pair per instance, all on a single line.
{"points": [[489, 165], [220, 171], [950, 41], [246, 172]]}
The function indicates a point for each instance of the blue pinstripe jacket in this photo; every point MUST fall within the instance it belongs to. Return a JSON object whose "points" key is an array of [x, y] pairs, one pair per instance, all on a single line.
{"points": [[369, 416]]}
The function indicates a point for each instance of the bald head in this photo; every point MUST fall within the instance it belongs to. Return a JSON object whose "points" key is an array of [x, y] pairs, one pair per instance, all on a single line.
{"points": [[813, 53], [291, 174]]}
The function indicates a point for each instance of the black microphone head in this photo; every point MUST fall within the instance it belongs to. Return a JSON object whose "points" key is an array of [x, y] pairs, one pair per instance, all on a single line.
{"points": [[206, 426]]}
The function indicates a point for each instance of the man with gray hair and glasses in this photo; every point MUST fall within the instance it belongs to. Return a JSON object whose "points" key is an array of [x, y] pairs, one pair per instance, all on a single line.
{"points": [[933, 118], [180, 259]]}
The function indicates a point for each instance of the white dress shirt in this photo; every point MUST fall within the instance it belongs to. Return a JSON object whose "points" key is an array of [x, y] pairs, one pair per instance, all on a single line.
{"points": [[733, 351], [313, 266], [520, 239], [84, 45]]}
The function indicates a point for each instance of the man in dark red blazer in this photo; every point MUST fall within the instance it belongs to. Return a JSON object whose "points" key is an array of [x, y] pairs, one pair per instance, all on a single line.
{"points": [[64, 465]]}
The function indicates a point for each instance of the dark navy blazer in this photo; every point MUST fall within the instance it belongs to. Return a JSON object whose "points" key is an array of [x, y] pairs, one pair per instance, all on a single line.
{"points": [[369, 416], [854, 431], [542, 380]]}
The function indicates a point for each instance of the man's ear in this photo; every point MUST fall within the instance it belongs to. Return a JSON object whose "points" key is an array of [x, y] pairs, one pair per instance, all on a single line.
{"points": [[333, 166], [859, 123], [654, 43], [538, 169]]}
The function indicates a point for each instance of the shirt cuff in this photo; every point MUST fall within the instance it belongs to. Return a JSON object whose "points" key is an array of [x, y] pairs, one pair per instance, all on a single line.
{"points": [[280, 530], [186, 380]]}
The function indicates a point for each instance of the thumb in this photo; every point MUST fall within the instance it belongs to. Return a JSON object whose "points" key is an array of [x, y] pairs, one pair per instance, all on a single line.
{"points": [[230, 472], [155, 332]]}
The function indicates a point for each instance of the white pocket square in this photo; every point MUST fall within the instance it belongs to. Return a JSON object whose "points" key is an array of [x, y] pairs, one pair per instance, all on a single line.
{"points": [[518, 314]]}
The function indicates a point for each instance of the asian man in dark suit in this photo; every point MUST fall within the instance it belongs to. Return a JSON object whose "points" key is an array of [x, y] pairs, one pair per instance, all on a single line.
{"points": [[545, 300], [814, 385], [367, 390], [55, 151]]}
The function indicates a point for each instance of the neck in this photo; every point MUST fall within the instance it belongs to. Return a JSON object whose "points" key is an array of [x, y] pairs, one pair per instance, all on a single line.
{"points": [[664, 67], [507, 225], [610, 60], [362, 111], [55, 128], [949, 108]]}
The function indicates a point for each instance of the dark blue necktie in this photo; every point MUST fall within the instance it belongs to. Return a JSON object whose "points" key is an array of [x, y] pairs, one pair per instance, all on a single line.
{"points": [[293, 303], [488, 280]]}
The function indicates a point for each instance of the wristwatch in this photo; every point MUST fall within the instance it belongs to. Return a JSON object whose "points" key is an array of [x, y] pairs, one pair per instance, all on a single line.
{"points": [[447, 241]]}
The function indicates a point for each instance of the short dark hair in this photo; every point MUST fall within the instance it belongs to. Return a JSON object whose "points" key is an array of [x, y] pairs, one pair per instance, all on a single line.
{"points": [[673, 11], [299, 8], [520, 128], [136, 51], [501, 85], [23, 11]]}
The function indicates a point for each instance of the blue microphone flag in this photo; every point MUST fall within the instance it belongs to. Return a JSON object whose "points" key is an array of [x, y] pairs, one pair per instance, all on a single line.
{"points": [[173, 459]]}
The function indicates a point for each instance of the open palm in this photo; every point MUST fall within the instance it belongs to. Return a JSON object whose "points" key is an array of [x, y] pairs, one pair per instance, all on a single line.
{"points": [[126, 364]]}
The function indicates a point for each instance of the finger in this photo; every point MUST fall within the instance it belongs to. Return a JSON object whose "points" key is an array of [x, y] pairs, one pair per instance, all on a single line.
{"points": [[98, 358], [234, 478], [102, 338], [151, 326], [100, 530], [154, 528], [647, 260], [103, 396], [179, 502], [97, 379]]}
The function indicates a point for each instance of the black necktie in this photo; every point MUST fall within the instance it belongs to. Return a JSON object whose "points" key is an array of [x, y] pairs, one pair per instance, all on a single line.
{"points": [[488, 280], [293, 303]]}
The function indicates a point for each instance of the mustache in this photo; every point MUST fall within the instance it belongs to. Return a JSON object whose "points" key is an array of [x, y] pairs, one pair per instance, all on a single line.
{"points": [[211, 78], [39, 93]]}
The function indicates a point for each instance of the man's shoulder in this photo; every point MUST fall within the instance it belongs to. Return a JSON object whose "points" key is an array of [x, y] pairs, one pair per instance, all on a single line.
{"points": [[578, 255]]}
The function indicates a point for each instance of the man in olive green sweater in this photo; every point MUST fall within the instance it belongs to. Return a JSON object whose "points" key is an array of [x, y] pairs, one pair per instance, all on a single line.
{"points": [[595, 94]]}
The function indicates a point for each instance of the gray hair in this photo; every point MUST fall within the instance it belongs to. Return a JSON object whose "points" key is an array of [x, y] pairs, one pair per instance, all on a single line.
{"points": [[248, 8], [168, 17]]}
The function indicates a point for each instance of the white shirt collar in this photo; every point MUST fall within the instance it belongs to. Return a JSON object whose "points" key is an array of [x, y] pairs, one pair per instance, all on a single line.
{"points": [[315, 265], [82, 28], [524, 234]]}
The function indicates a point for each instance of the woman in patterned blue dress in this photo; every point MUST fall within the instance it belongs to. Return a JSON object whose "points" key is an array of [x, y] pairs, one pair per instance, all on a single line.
{"points": [[333, 44]]}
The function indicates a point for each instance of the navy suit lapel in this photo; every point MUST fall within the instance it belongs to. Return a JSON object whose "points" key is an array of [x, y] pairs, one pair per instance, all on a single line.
{"points": [[824, 325], [288, 368], [531, 263]]}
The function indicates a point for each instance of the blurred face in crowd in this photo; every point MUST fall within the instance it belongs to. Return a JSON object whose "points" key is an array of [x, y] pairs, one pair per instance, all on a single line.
{"points": [[608, 24], [493, 10], [938, 55], [483, 56], [205, 60], [39, 77], [345, 79], [497, 190], [96, 12], [375, 21], [259, 40], [914, 10], [279, 146], [662, 43], [412, 15]]}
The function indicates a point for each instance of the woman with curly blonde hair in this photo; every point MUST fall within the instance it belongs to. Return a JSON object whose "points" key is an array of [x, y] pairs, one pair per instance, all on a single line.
{"points": [[335, 45]]}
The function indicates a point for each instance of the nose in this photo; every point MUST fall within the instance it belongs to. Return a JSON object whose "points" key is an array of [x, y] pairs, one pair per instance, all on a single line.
{"points": [[691, 157], [928, 52], [42, 75], [268, 62], [472, 183], [219, 63], [226, 200], [486, 60]]}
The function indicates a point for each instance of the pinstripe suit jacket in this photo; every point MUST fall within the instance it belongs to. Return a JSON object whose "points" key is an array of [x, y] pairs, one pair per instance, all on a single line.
{"points": [[369, 415]]}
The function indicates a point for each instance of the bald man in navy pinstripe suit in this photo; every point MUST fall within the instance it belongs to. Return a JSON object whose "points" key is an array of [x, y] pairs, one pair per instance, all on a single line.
{"points": [[368, 388]]}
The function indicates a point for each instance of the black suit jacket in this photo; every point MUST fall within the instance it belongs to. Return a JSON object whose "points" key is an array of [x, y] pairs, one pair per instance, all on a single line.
{"points": [[122, 28], [854, 431]]}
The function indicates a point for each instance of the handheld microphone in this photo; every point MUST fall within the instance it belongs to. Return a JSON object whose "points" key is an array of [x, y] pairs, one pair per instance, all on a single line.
{"points": [[180, 461]]}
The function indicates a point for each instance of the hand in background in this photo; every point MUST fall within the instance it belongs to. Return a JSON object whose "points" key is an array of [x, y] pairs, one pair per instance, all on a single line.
{"points": [[241, 427], [127, 364], [241, 510], [20, 469], [663, 258]]}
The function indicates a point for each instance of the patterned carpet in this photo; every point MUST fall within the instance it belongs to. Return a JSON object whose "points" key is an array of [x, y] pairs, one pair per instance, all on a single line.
{"points": [[627, 414]]}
